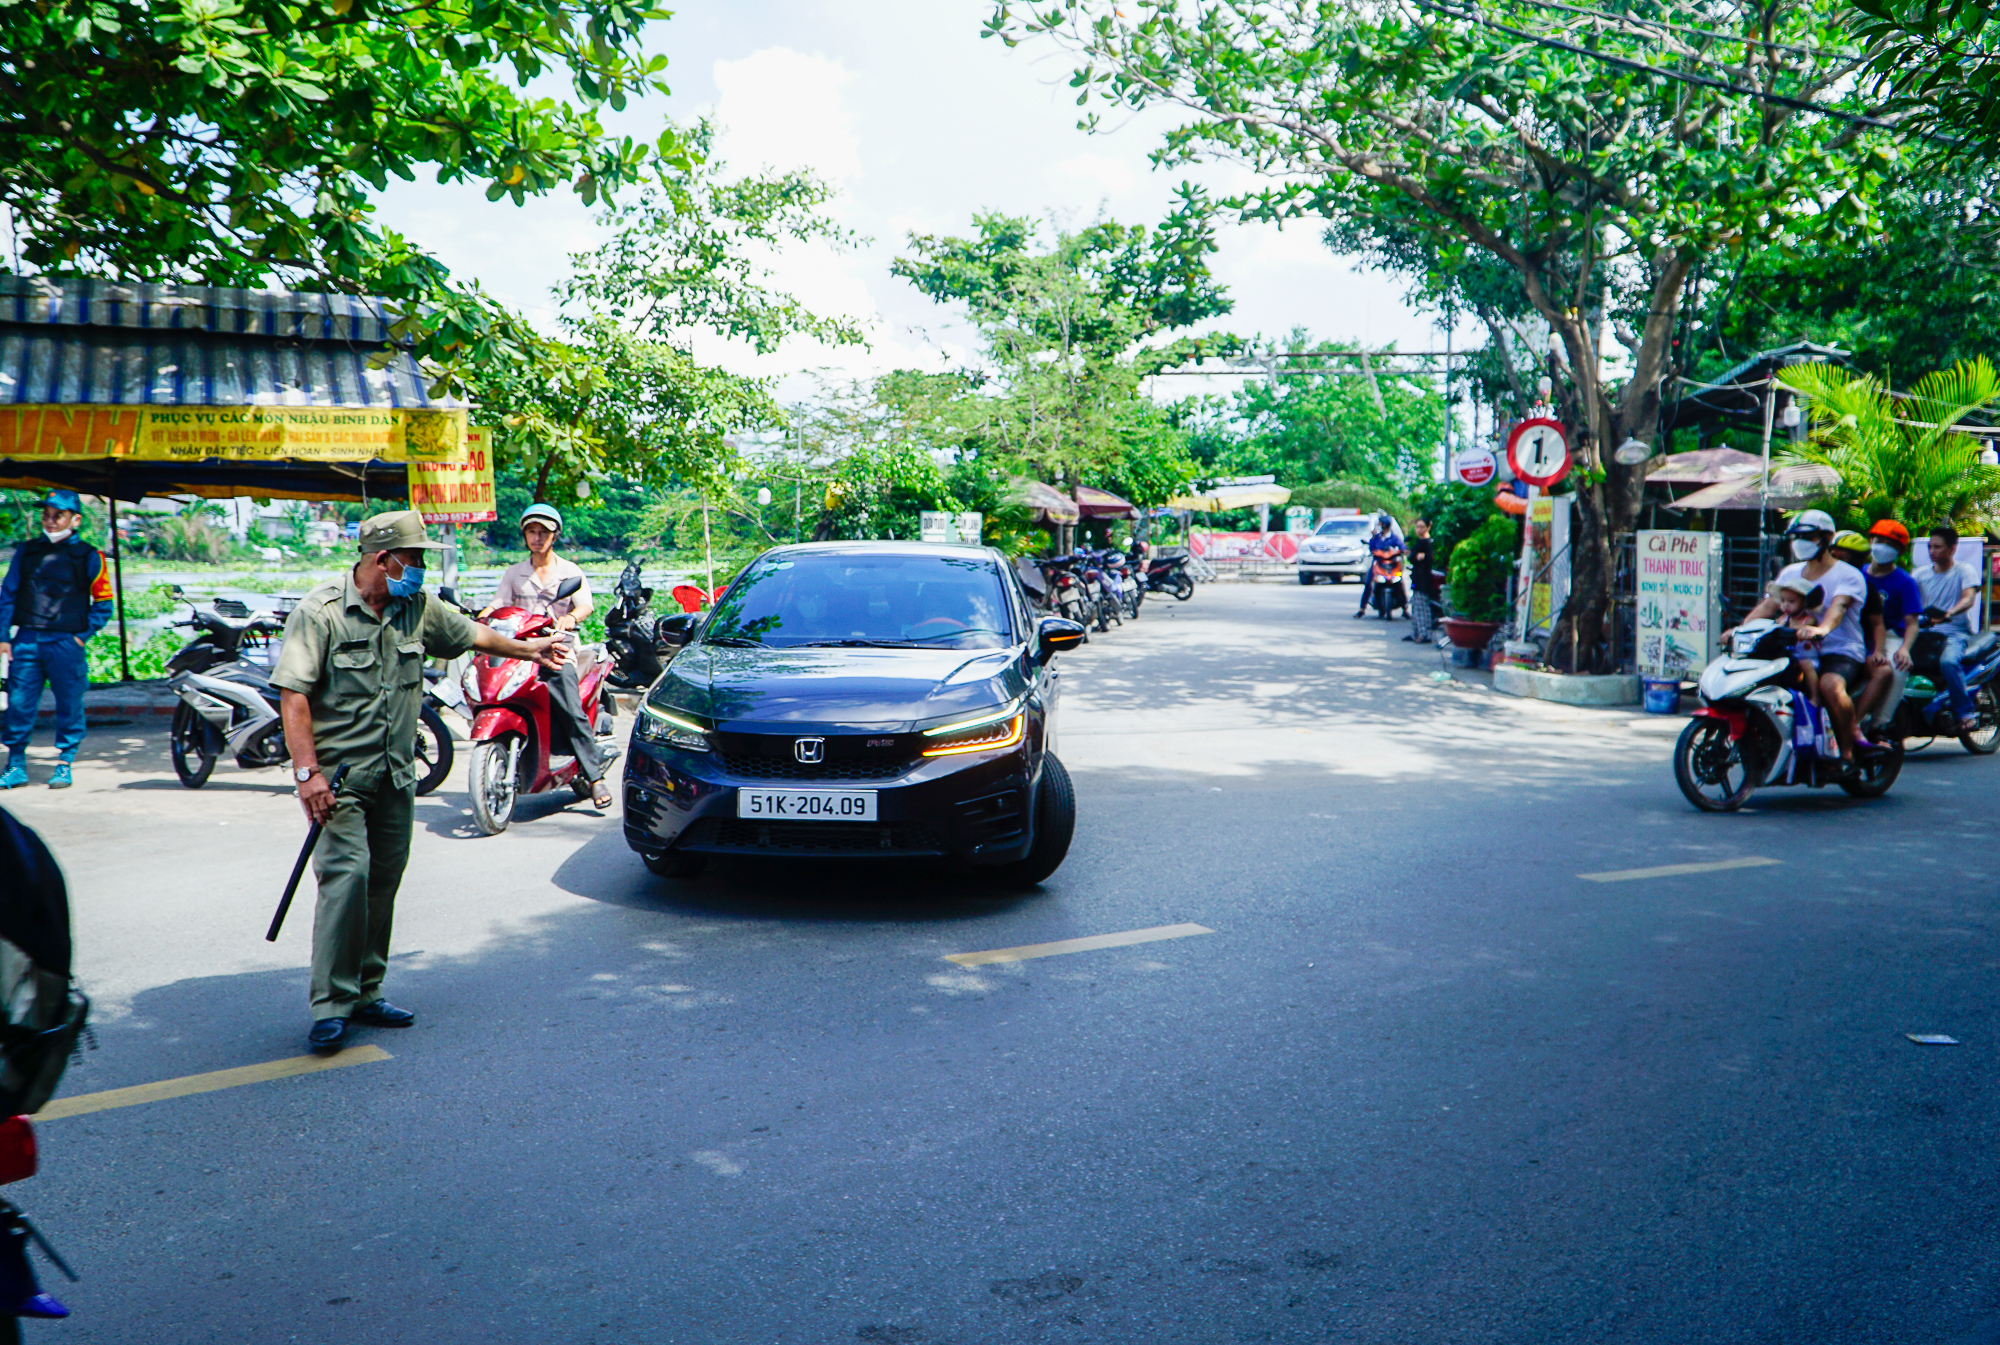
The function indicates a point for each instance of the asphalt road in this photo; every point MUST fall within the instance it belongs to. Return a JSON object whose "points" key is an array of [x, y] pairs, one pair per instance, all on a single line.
{"points": [[1422, 1082]]}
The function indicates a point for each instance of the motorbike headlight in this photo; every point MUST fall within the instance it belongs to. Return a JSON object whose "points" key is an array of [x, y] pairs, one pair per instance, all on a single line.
{"points": [[660, 726]]}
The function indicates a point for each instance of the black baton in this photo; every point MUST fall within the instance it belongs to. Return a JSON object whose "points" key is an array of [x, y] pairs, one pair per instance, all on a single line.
{"points": [[299, 869]]}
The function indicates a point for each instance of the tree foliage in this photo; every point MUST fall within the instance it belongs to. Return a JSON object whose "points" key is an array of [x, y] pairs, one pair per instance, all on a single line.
{"points": [[1901, 457], [1589, 161], [1942, 60], [232, 142]]}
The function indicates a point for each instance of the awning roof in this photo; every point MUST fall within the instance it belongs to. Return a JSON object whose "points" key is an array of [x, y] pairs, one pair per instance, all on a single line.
{"points": [[1705, 466], [1094, 503], [1047, 501], [91, 342], [1736, 396], [1220, 498], [1792, 487]]}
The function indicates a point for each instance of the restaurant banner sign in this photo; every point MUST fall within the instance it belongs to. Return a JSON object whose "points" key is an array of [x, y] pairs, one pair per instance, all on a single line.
{"points": [[460, 491], [242, 433]]}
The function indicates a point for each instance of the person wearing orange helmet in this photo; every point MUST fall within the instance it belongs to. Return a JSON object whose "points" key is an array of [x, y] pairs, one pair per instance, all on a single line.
{"points": [[1902, 603]]}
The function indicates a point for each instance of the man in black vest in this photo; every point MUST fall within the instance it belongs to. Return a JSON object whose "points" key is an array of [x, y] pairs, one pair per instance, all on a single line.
{"points": [[58, 593]]}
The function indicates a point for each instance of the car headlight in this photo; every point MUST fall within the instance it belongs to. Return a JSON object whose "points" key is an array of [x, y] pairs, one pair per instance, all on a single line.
{"points": [[982, 733], [659, 726]]}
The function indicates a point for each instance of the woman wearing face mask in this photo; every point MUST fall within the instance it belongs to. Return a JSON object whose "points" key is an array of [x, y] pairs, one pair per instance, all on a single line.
{"points": [[1902, 604], [1843, 650], [531, 584]]}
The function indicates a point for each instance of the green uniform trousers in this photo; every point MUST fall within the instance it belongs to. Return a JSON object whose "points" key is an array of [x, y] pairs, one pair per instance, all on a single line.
{"points": [[359, 864]]}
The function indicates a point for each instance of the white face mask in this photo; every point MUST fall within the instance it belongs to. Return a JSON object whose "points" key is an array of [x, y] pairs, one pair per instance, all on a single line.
{"points": [[1884, 553], [62, 536], [1804, 548]]}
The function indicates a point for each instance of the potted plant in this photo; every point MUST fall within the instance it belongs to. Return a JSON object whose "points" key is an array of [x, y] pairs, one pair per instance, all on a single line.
{"points": [[1481, 567]]}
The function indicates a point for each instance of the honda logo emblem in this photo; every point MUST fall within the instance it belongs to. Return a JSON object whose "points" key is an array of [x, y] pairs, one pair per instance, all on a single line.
{"points": [[809, 751]]}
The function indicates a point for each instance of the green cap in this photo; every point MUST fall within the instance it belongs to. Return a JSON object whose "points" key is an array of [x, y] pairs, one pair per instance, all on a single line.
{"points": [[400, 530]]}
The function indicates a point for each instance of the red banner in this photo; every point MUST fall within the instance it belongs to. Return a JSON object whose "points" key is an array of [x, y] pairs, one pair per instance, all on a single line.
{"points": [[1229, 546]]}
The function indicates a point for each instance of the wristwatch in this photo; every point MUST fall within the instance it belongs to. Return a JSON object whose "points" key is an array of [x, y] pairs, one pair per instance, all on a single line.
{"points": [[304, 773]]}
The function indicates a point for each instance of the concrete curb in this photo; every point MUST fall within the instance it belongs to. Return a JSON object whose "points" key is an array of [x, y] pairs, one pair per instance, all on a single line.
{"points": [[1563, 689]]}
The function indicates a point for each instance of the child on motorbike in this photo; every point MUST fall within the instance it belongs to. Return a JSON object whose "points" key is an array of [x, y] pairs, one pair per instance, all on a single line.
{"points": [[1799, 601]]}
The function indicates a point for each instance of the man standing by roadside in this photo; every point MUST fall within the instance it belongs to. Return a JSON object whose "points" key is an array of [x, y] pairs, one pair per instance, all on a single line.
{"points": [[1951, 588], [58, 592], [1838, 626], [350, 679]]}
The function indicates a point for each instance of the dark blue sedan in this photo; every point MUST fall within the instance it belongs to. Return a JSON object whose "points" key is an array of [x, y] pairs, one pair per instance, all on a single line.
{"points": [[857, 700]]}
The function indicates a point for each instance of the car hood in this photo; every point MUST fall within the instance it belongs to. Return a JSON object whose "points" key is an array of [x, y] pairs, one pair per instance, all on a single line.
{"points": [[872, 688]]}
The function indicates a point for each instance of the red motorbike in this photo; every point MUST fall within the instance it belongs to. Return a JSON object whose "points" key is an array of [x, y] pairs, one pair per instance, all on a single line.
{"points": [[511, 720]]}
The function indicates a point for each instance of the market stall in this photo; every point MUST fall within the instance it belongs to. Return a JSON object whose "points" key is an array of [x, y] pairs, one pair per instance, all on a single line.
{"points": [[129, 391]]}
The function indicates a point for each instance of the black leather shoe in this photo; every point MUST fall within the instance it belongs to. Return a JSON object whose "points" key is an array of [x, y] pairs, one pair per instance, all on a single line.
{"points": [[381, 1013], [328, 1035]]}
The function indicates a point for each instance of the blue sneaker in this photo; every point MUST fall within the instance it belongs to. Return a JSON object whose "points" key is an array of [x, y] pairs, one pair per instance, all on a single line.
{"points": [[15, 777], [61, 779]]}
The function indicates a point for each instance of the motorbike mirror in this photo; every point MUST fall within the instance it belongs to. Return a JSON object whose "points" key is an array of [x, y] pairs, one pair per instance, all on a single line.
{"points": [[1054, 635], [449, 594], [674, 631], [568, 587]]}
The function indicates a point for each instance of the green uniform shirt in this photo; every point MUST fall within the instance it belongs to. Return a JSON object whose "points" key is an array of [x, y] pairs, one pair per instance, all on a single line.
{"points": [[364, 675]]}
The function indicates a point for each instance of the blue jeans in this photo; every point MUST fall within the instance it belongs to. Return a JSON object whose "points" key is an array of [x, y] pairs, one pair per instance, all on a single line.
{"points": [[55, 658], [1954, 675]]}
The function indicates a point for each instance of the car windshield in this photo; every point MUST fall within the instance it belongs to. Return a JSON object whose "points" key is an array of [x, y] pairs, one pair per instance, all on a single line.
{"points": [[1344, 527], [919, 601]]}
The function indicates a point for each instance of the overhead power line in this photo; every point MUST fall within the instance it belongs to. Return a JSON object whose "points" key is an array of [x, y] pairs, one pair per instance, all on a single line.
{"points": [[1684, 28], [1647, 68]]}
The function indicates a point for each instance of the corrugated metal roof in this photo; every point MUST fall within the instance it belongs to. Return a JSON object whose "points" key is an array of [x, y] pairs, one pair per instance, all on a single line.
{"points": [[93, 342]]}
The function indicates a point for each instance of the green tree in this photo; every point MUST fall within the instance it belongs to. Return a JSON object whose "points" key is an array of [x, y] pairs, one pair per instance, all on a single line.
{"points": [[1069, 332], [1941, 58], [232, 142], [1901, 457], [1600, 163]]}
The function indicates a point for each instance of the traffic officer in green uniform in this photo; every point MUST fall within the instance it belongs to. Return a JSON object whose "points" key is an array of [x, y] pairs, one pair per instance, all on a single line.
{"points": [[350, 680]]}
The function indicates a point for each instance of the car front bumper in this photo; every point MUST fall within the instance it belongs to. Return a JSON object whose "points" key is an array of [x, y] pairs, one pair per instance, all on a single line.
{"points": [[973, 808], [1323, 564]]}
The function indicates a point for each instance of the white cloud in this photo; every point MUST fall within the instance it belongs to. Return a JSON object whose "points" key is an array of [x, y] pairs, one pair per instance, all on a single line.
{"points": [[1098, 173], [780, 108]]}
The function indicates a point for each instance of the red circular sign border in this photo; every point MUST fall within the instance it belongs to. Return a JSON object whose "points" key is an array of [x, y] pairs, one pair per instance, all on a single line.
{"points": [[1514, 438]]}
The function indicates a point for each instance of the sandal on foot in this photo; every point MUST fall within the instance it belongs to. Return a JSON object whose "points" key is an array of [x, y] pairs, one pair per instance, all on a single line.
{"points": [[600, 794]]}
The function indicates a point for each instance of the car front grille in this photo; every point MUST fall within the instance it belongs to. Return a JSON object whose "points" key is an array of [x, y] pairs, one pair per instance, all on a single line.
{"points": [[745, 767], [797, 838]]}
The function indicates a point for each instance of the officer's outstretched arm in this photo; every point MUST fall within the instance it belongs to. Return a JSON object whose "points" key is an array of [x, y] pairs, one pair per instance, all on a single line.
{"points": [[547, 651]]}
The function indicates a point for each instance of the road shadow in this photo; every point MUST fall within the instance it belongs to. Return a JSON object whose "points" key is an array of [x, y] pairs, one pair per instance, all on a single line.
{"points": [[856, 891]]}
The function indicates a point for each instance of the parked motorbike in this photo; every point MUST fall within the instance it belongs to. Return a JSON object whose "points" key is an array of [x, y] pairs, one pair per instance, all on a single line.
{"points": [[1097, 591], [1118, 578], [1755, 728], [1169, 575], [631, 634], [233, 712], [1065, 591], [1925, 712], [511, 720], [228, 631]]}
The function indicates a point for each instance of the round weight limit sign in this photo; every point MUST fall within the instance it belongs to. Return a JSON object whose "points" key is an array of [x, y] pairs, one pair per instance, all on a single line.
{"points": [[1538, 451]]}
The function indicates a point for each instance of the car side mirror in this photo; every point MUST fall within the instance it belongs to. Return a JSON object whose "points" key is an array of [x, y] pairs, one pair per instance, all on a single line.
{"points": [[568, 587], [674, 631], [1055, 635]]}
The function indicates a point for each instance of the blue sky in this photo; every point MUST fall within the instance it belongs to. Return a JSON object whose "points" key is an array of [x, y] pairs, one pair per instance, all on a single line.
{"points": [[919, 122]]}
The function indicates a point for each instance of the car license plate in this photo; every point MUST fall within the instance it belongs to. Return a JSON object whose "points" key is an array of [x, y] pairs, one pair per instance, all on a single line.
{"points": [[806, 805]]}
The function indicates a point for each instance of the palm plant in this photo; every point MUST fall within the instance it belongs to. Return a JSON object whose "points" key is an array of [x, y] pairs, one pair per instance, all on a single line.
{"points": [[1901, 456]]}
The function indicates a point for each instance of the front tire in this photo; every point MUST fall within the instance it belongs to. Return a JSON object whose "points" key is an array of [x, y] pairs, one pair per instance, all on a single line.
{"points": [[490, 781], [1305, 580], [1983, 741], [1712, 772], [194, 746], [1055, 824], [1878, 771], [434, 750]]}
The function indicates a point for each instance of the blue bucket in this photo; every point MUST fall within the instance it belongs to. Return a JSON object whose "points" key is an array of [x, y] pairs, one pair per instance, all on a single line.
{"points": [[1662, 698]]}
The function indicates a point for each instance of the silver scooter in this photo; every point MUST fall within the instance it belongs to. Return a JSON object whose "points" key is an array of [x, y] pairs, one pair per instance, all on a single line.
{"points": [[233, 712], [1755, 728]]}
